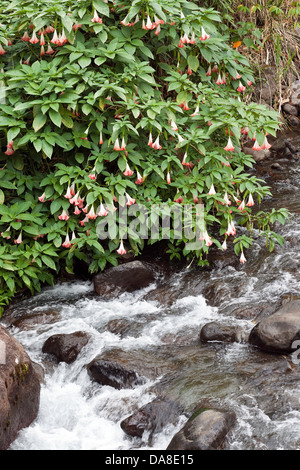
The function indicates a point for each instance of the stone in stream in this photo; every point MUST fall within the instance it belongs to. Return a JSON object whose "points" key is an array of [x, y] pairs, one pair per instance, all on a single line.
{"points": [[215, 331], [278, 332], [113, 374], [205, 430], [126, 277], [66, 347], [19, 389], [152, 418]]}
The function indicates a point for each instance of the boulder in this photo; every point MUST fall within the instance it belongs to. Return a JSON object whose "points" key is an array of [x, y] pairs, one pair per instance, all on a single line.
{"points": [[215, 331], [66, 347], [19, 389], [205, 430], [126, 277], [277, 332], [290, 109], [152, 417], [113, 374]]}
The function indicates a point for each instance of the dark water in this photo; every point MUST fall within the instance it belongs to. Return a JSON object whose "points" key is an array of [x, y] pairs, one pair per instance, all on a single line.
{"points": [[159, 328]]}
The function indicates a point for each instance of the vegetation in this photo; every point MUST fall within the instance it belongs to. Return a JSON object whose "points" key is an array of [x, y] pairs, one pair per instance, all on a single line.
{"points": [[145, 100]]}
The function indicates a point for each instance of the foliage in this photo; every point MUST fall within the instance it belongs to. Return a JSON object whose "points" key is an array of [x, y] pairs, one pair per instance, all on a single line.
{"points": [[85, 85]]}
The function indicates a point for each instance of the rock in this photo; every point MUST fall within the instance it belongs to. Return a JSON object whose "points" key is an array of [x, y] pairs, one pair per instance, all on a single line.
{"points": [[126, 277], [19, 389], [113, 374], [118, 326], [277, 332], [205, 430], [290, 109], [152, 417], [215, 331], [66, 347], [24, 319]]}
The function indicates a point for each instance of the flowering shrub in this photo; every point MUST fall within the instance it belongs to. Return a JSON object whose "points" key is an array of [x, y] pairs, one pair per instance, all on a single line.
{"points": [[104, 100]]}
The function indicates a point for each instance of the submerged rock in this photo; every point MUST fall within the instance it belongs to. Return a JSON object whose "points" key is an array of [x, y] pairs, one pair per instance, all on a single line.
{"points": [[205, 430], [19, 389], [126, 277], [66, 347], [277, 332]]}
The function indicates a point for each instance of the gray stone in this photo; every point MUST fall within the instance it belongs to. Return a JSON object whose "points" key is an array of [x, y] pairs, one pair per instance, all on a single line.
{"points": [[205, 430], [290, 109], [215, 331]]}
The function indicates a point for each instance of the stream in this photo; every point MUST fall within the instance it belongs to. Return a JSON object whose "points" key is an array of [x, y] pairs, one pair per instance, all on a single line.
{"points": [[160, 326]]}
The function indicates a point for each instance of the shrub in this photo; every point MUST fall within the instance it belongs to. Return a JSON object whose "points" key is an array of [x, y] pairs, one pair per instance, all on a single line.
{"points": [[101, 100]]}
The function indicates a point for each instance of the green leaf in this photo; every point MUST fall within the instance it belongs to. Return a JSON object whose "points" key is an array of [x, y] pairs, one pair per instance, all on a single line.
{"points": [[39, 121], [55, 117], [193, 62], [49, 262], [2, 197]]}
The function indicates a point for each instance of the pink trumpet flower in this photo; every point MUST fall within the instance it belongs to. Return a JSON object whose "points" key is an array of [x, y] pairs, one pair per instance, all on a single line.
{"points": [[34, 39], [77, 211], [96, 18], [250, 202], [266, 145], [204, 35], [130, 200], [229, 147], [128, 171], [49, 50], [241, 88], [219, 80], [91, 214], [242, 258], [140, 179], [121, 250], [42, 197], [102, 211], [156, 145], [212, 191], [256, 146], [230, 229], [224, 245], [19, 240], [9, 148], [68, 194], [150, 141], [100, 138], [75, 199], [54, 39], [117, 145], [92, 175], [25, 37], [67, 243], [196, 112], [168, 178], [64, 215]]}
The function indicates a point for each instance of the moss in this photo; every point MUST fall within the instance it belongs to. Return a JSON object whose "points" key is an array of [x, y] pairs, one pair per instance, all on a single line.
{"points": [[197, 413]]}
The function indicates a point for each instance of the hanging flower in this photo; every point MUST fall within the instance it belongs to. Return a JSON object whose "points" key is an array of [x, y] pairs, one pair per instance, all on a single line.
{"points": [[156, 145], [130, 200], [250, 202], [100, 138], [68, 194], [266, 145], [121, 250], [245, 130], [150, 140], [77, 211], [219, 80], [204, 35], [96, 18], [123, 144], [54, 39], [212, 191], [19, 240], [64, 215], [9, 148], [192, 40], [140, 179], [91, 214], [242, 206], [92, 175], [196, 112], [256, 146], [42, 197], [208, 73], [230, 229], [241, 87], [66, 243], [128, 171], [102, 211], [75, 199], [168, 178], [229, 147], [117, 144], [242, 258], [25, 37], [34, 39], [224, 245], [174, 126]]}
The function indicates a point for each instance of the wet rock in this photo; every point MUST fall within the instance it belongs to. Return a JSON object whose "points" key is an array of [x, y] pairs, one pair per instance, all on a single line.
{"points": [[290, 109], [152, 418], [277, 332], [205, 430], [126, 277], [215, 331], [118, 326], [113, 374], [19, 389], [66, 347], [25, 320]]}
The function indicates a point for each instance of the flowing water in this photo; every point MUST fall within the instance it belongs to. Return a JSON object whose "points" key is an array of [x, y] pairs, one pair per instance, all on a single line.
{"points": [[159, 326]]}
